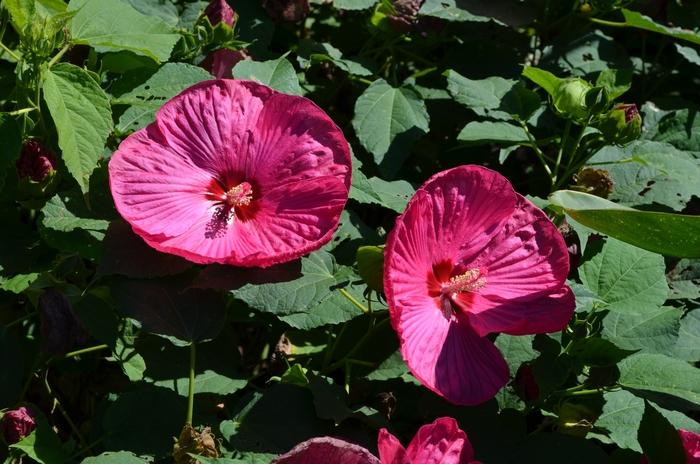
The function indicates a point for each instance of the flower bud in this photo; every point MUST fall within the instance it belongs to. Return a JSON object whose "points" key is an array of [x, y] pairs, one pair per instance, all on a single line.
{"points": [[405, 14], [569, 99], [219, 11], [36, 161], [220, 62], [290, 11], [621, 125], [17, 424]]}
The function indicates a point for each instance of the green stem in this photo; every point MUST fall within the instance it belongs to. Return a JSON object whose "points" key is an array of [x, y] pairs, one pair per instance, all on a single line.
{"points": [[19, 320], [10, 52], [22, 111], [608, 23], [64, 413], [572, 165], [352, 300], [190, 392], [354, 350], [533, 145], [59, 55], [562, 144], [90, 349]]}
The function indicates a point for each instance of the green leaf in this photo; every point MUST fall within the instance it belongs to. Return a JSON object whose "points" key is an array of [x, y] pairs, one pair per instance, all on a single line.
{"points": [[144, 421], [18, 283], [354, 4], [688, 343], [322, 295], [493, 97], [42, 445], [498, 132], [310, 52], [679, 127], [11, 137], [640, 21], [646, 172], [659, 439], [387, 120], [656, 373], [169, 307], [626, 278], [11, 376], [516, 350], [119, 457], [448, 10], [621, 416], [665, 233], [545, 79], [148, 97], [278, 74], [64, 213], [616, 82], [393, 367], [112, 25], [654, 331], [393, 195], [689, 53], [80, 109]]}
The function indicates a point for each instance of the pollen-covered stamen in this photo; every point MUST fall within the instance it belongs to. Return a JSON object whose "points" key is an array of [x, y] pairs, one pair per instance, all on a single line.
{"points": [[470, 281], [240, 195]]}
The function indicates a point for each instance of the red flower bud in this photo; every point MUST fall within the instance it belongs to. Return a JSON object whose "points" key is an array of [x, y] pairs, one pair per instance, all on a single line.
{"points": [[60, 329], [220, 62], [406, 14], [219, 11], [17, 424], [36, 161]]}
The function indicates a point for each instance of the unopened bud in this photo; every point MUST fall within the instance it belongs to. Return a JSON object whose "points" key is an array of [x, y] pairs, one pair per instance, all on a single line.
{"points": [[219, 11], [60, 329], [220, 62], [36, 161], [17, 424], [621, 125], [569, 99]]}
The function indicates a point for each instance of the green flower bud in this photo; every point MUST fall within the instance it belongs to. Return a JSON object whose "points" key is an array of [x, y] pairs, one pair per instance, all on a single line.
{"points": [[569, 99], [620, 125]]}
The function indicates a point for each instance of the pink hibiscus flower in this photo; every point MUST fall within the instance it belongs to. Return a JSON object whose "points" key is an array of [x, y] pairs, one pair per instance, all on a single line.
{"points": [[470, 257], [233, 172], [441, 442]]}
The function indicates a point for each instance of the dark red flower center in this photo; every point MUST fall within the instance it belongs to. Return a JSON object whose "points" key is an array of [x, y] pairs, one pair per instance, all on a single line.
{"points": [[454, 287], [233, 199]]}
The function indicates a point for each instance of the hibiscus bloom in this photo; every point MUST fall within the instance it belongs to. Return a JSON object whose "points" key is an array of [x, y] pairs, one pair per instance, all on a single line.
{"points": [[441, 442], [233, 172], [470, 257]]}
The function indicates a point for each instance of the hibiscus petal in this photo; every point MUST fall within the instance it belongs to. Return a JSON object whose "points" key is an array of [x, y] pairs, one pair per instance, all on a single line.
{"points": [[441, 442], [527, 258], [391, 451], [447, 356], [289, 222], [214, 123], [156, 189], [325, 450], [542, 314], [296, 140]]}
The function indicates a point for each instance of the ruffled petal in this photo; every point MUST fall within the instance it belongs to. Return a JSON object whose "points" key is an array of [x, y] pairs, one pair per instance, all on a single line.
{"points": [[691, 444], [447, 356], [541, 314], [391, 451], [156, 189], [214, 123], [528, 257], [441, 442], [296, 140], [288, 222], [327, 450]]}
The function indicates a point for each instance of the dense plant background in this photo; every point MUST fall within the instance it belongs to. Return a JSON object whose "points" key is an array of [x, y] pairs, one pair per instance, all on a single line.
{"points": [[96, 327]]}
